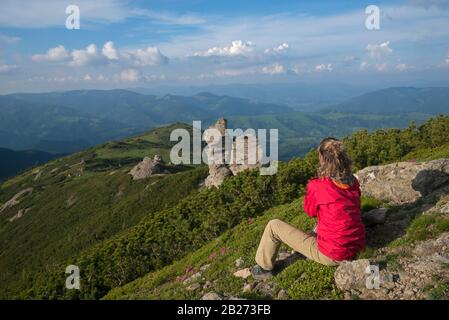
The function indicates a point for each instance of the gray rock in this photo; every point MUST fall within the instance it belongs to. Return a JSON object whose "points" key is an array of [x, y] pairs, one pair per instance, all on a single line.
{"points": [[16, 199], [193, 287], [248, 287], [282, 295], [147, 167], [192, 278], [350, 275], [403, 182], [212, 296], [239, 263]]}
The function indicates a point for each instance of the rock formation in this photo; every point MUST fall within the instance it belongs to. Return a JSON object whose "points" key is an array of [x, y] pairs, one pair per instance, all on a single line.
{"points": [[403, 182], [228, 160], [147, 167]]}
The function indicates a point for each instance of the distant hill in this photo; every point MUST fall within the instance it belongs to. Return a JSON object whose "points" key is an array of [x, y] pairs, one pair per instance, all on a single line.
{"points": [[399, 100], [77, 201], [14, 161], [70, 121], [299, 96]]}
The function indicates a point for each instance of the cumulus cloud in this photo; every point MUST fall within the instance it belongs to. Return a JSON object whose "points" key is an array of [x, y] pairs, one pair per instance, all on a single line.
{"points": [[7, 68], [324, 67], [109, 51], [86, 56], [58, 53], [129, 75], [274, 69], [150, 56], [279, 49], [376, 51], [87, 77], [237, 47]]}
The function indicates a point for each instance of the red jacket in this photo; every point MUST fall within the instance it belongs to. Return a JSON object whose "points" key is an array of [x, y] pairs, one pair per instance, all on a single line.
{"points": [[340, 232]]}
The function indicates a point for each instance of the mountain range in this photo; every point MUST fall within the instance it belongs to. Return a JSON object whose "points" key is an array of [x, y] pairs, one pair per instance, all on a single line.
{"points": [[66, 122]]}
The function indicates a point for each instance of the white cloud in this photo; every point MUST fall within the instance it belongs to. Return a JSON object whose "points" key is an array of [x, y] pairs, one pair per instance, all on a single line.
{"points": [[150, 56], [87, 56], [364, 65], [7, 68], [376, 51], [109, 51], [279, 49], [58, 53], [324, 67], [382, 67], [237, 47], [447, 59], [274, 69], [401, 67], [87, 77], [129, 75]]}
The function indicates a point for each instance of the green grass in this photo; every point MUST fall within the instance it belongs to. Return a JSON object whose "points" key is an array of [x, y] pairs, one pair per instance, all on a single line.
{"points": [[303, 279], [106, 202]]}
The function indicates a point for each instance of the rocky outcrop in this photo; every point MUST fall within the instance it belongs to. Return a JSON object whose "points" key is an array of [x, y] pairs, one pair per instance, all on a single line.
{"points": [[225, 161], [16, 199], [408, 276], [147, 167], [404, 182]]}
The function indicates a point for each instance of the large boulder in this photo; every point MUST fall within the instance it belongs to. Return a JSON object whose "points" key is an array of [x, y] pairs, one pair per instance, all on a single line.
{"points": [[147, 167], [403, 182]]}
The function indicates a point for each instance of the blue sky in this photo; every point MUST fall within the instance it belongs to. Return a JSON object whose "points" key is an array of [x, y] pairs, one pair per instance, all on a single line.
{"points": [[124, 44]]}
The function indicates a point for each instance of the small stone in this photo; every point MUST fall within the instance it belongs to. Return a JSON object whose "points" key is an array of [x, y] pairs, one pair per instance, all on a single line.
{"points": [[192, 278], [193, 287], [243, 273], [248, 287], [282, 295], [239, 263], [205, 267], [212, 296]]}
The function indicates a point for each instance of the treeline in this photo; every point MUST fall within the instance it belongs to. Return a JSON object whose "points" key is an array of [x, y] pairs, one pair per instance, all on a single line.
{"points": [[383, 146]]}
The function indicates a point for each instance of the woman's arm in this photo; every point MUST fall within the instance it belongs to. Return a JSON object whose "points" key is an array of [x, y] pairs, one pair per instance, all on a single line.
{"points": [[310, 203]]}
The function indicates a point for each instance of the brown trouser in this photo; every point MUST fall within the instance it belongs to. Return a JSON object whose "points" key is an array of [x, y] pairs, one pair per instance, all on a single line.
{"points": [[278, 231]]}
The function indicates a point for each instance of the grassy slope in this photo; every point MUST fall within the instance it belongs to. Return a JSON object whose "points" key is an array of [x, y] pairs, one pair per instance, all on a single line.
{"points": [[241, 241], [74, 206], [317, 281]]}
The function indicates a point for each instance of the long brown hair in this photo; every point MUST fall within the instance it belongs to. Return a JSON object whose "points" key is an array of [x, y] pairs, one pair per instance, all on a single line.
{"points": [[334, 161]]}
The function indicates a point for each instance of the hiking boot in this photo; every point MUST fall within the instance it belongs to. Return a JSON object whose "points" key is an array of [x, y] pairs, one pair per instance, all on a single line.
{"points": [[259, 273]]}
